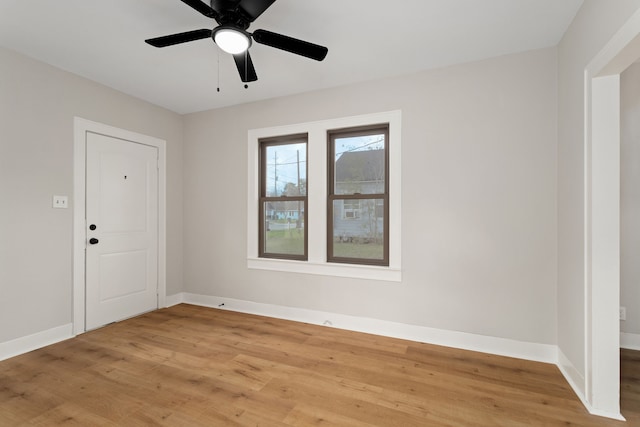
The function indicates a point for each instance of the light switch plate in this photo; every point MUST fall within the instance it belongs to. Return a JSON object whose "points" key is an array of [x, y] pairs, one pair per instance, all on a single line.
{"points": [[60, 202]]}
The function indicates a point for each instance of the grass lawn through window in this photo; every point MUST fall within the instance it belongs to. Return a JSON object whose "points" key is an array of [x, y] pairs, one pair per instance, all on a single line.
{"points": [[290, 242], [358, 250]]}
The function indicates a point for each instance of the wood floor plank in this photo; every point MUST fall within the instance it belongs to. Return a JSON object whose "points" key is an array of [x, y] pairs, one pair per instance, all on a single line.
{"points": [[194, 366], [20, 402], [630, 386], [332, 400], [240, 417], [308, 415], [69, 414]]}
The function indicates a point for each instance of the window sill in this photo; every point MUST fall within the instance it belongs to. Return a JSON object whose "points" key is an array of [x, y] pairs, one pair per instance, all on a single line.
{"points": [[387, 274]]}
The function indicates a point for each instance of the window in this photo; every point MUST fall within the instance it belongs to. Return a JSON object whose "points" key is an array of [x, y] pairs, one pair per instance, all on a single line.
{"points": [[358, 194], [283, 197], [351, 209], [284, 237]]}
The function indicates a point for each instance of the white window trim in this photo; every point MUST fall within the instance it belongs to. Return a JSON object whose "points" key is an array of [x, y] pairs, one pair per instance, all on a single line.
{"points": [[317, 199]]}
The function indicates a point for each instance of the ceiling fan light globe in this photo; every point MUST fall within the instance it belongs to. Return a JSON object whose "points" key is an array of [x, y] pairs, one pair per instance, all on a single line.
{"points": [[232, 40]]}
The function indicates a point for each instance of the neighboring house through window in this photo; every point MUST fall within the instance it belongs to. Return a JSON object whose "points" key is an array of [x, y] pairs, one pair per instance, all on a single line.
{"points": [[358, 195]]}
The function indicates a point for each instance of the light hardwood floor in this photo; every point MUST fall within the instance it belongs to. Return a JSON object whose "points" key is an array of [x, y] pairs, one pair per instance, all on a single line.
{"points": [[630, 386], [194, 366]]}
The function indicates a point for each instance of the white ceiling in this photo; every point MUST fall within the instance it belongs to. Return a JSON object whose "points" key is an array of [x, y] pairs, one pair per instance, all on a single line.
{"points": [[367, 39]]}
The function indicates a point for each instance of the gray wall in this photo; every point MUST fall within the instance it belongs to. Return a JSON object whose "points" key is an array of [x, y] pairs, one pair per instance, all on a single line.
{"points": [[479, 200], [595, 24], [630, 198], [37, 106]]}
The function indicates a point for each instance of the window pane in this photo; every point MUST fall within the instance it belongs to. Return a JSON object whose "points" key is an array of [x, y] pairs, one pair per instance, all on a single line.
{"points": [[286, 170], [359, 164], [284, 227], [358, 235]]}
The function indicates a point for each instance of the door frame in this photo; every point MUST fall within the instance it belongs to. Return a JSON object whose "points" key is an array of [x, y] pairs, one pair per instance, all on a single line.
{"points": [[602, 217], [80, 128]]}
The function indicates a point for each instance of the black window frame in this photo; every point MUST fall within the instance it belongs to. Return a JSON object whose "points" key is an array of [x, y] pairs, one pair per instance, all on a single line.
{"points": [[332, 135], [264, 143]]}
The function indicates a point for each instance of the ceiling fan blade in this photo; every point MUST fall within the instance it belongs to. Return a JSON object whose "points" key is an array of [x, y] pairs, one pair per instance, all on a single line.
{"points": [[172, 39], [299, 47], [203, 8], [245, 67], [254, 8]]}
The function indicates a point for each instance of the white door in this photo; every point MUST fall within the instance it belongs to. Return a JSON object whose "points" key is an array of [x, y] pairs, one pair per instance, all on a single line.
{"points": [[121, 229]]}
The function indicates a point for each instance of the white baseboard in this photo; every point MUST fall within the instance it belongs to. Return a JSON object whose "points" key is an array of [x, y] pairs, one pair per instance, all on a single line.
{"points": [[38, 340], [499, 346], [577, 383], [573, 377], [175, 299], [629, 341]]}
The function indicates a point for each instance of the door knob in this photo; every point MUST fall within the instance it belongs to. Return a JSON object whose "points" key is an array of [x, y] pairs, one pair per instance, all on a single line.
{"points": [[93, 240]]}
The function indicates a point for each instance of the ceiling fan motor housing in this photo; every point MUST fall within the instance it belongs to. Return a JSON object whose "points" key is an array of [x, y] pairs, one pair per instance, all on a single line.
{"points": [[224, 4], [229, 13]]}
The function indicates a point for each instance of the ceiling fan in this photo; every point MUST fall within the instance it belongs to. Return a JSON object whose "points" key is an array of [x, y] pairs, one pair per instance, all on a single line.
{"points": [[234, 18]]}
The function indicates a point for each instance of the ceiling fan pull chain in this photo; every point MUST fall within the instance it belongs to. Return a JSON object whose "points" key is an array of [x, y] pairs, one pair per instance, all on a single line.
{"points": [[218, 50], [246, 62]]}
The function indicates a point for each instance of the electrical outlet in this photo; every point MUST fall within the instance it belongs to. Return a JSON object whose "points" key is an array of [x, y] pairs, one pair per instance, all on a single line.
{"points": [[623, 313], [60, 202]]}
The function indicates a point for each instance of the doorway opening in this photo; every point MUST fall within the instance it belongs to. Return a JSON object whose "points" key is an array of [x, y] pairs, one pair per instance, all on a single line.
{"points": [[602, 218]]}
